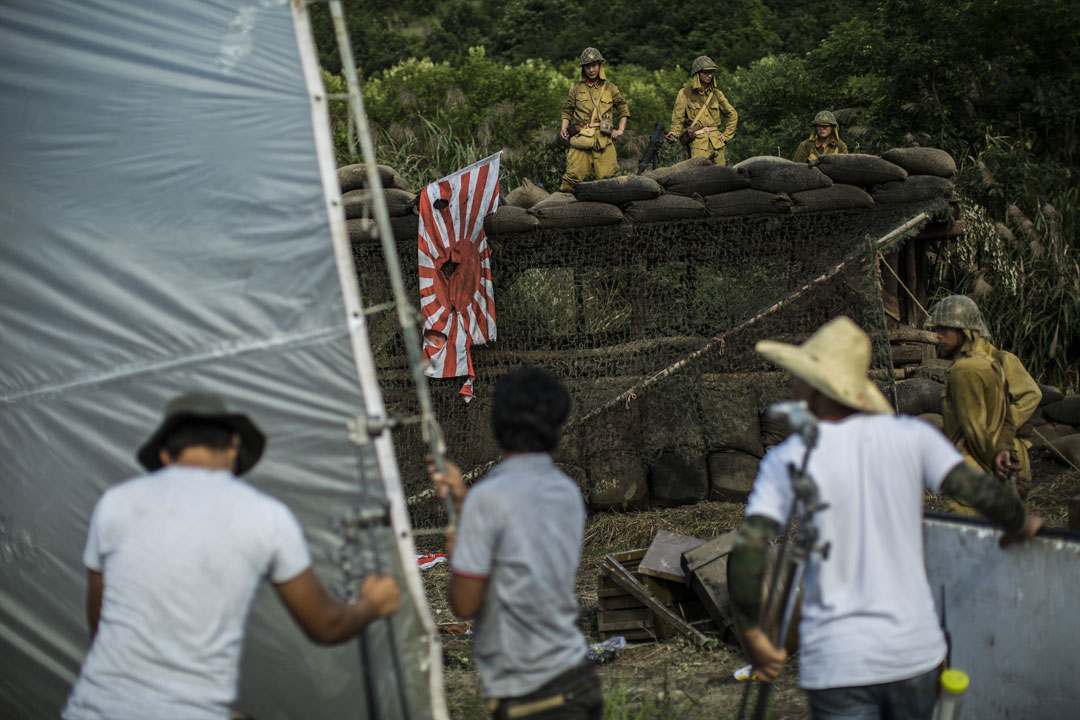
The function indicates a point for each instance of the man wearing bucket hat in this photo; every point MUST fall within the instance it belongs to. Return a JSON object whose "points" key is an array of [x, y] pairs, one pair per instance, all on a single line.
{"points": [[824, 139], [588, 122], [988, 394], [703, 120], [174, 559], [869, 633]]}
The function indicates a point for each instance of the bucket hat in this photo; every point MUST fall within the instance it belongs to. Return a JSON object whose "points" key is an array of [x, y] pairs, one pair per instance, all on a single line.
{"points": [[835, 361], [203, 406]]}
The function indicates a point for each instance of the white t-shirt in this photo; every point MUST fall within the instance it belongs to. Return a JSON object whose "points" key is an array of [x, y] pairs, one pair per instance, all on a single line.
{"points": [[182, 551], [521, 530], [868, 614]]}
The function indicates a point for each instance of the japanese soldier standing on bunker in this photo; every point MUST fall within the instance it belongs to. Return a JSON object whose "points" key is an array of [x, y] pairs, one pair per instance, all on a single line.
{"points": [[824, 139], [588, 122], [701, 110], [174, 558], [870, 643], [515, 558]]}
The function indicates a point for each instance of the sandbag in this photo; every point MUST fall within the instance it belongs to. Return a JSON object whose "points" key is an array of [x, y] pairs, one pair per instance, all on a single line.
{"points": [[934, 419], [406, 227], [919, 396], [662, 172], [665, 207], [704, 181], [748, 202], [354, 177], [554, 200], [362, 230], [578, 214], [617, 190], [1050, 394], [398, 203], [1065, 411], [922, 161], [731, 475], [859, 169], [679, 477], [834, 197], [509, 220], [916, 188], [1069, 446], [617, 480], [525, 196], [780, 175]]}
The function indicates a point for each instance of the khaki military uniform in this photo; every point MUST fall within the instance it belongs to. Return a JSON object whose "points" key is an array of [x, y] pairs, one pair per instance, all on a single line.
{"points": [[707, 111], [1024, 399], [592, 150], [813, 148], [975, 408]]}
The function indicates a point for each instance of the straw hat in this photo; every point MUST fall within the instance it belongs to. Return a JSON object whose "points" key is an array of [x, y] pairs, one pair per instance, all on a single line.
{"points": [[834, 361], [202, 406]]}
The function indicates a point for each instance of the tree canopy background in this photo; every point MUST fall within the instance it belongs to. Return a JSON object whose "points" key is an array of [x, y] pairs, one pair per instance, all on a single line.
{"points": [[995, 83]]}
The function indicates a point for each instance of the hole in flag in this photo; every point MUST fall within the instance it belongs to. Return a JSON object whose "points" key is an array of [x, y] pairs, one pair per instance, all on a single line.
{"points": [[441, 204], [448, 268]]}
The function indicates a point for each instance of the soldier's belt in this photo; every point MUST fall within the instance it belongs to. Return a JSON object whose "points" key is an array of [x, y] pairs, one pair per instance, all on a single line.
{"points": [[706, 130]]}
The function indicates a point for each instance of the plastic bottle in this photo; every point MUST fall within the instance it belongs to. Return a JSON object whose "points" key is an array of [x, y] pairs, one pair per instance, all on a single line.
{"points": [[954, 683]]}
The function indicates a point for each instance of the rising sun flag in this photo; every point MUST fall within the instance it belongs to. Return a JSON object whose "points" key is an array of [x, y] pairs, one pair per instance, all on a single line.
{"points": [[456, 295]]}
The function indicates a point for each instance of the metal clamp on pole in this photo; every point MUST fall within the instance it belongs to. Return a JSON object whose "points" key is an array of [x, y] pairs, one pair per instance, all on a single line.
{"points": [[807, 503], [362, 429]]}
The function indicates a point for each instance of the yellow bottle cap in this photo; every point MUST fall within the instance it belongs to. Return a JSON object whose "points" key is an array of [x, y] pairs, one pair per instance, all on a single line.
{"points": [[954, 682]]}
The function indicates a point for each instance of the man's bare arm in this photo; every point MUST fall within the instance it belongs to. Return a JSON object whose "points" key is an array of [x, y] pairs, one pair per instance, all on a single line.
{"points": [[327, 621], [95, 589]]}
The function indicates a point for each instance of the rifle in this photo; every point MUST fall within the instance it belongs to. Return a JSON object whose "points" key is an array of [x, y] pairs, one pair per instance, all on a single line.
{"points": [[652, 150]]}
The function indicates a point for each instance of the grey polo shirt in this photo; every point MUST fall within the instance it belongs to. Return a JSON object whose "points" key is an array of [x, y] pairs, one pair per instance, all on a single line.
{"points": [[521, 530]]}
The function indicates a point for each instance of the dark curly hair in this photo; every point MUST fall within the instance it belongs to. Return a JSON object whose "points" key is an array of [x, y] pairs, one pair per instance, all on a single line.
{"points": [[528, 407]]}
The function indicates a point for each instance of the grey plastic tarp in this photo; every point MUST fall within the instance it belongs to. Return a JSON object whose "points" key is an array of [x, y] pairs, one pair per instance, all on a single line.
{"points": [[165, 226], [1011, 615]]}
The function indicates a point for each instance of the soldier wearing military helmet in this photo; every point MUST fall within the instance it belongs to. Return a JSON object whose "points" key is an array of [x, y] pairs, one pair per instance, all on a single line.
{"points": [[588, 122], [823, 140], [700, 111]]}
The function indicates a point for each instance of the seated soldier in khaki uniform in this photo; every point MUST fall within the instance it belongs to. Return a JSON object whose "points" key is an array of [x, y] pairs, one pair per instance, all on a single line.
{"points": [[823, 140], [588, 124], [988, 395], [700, 110]]}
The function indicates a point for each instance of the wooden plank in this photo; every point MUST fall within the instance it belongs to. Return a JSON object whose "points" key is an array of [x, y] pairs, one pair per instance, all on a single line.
{"points": [[622, 576], [609, 592], [622, 602], [628, 557], [634, 619], [663, 559], [630, 635], [708, 551], [911, 279], [666, 591]]}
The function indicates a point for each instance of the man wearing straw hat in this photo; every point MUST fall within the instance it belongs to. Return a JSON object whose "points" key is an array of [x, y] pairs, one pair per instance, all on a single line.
{"points": [[174, 559], [869, 635]]}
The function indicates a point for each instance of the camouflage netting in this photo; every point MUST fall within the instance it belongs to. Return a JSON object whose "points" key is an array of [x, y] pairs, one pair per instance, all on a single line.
{"points": [[646, 296]]}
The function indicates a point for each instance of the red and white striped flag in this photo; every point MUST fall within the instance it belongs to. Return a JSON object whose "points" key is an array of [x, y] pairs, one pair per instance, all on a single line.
{"points": [[456, 295]]}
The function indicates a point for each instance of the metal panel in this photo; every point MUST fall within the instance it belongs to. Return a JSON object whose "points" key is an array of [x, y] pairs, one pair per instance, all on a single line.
{"points": [[1011, 615]]}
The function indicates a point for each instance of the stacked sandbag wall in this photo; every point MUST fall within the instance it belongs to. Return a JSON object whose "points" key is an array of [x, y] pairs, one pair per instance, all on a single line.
{"points": [[762, 185]]}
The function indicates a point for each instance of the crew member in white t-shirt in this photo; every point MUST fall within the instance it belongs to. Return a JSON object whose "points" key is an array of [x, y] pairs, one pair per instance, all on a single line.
{"points": [[870, 642], [174, 559]]}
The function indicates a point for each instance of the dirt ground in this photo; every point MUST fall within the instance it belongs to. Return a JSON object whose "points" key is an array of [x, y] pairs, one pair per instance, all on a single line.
{"points": [[673, 679]]}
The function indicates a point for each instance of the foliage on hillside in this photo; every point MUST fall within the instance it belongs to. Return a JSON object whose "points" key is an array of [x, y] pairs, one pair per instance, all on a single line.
{"points": [[995, 84]]}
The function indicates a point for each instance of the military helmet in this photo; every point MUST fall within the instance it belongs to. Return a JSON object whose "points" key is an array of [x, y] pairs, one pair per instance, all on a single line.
{"points": [[590, 55], [825, 118], [958, 311], [703, 62]]}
